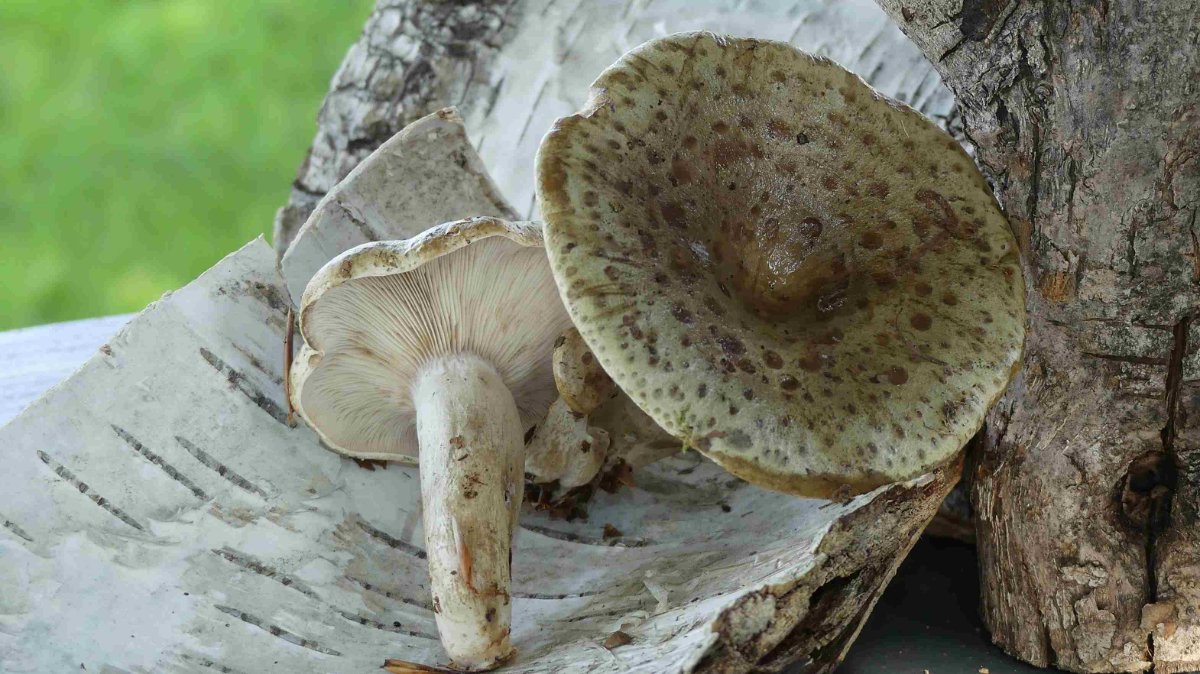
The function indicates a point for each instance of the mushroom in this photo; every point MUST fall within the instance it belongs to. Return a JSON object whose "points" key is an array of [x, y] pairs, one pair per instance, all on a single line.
{"points": [[806, 281], [564, 447], [581, 382], [437, 349]]}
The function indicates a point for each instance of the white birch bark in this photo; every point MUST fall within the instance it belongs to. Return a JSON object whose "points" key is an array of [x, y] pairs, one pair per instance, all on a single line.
{"points": [[513, 66], [159, 515]]}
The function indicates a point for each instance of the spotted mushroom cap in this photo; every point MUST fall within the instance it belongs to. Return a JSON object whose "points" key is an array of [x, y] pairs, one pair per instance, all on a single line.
{"points": [[374, 316], [803, 279]]}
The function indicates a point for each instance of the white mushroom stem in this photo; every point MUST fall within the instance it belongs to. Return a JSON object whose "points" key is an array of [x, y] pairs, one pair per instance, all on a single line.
{"points": [[472, 456], [565, 448]]}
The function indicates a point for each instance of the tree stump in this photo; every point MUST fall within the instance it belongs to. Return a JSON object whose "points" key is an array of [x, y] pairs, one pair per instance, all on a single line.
{"points": [[1086, 119]]}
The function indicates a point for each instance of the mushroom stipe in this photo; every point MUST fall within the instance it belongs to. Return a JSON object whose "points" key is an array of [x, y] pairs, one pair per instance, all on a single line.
{"points": [[438, 349]]}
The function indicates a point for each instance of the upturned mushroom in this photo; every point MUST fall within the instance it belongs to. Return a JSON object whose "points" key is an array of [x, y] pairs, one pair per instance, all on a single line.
{"points": [[437, 349], [564, 448], [808, 282]]}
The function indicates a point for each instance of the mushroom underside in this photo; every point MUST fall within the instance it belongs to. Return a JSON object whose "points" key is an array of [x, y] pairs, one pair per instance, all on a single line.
{"points": [[357, 393], [436, 347]]}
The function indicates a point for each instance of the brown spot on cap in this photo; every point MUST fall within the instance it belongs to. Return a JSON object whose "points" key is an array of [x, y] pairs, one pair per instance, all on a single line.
{"points": [[682, 314], [681, 171], [674, 215], [885, 279], [810, 363], [811, 228], [731, 345]]}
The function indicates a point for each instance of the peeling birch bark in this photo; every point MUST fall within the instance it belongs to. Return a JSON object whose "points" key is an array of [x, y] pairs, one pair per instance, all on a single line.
{"points": [[442, 180], [512, 67], [1087, 488], [159, 498]]}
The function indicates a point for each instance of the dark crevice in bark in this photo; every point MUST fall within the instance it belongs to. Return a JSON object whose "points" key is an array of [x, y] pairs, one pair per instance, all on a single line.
{"points": [[1146, 489], [1195, 248], [1154, 476], [1175, 381], [1048, 645]]}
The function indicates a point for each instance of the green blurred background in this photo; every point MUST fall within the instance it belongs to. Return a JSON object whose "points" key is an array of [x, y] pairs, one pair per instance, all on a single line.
{"points": [[142, 140]]}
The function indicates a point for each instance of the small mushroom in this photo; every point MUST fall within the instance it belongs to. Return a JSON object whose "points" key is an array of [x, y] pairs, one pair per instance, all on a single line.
{"points": [[580, 380], [564, 447], [806, 281], [436, 349]]}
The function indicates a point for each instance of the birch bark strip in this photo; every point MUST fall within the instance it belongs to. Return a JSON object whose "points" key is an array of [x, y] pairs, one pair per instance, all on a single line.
{"points": [[513, 66], [160, 515]]}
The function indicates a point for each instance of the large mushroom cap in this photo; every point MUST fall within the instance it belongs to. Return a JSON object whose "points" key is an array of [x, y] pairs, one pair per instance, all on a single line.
{"points": [[375, 315], [807, 281]]}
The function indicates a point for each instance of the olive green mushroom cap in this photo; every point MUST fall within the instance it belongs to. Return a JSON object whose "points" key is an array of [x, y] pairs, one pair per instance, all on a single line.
{"points": [[374, 316], [806, 281]]}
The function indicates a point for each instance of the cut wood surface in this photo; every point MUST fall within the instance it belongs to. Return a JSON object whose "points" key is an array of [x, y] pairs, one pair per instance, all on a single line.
{"points": [[1087, 119]]}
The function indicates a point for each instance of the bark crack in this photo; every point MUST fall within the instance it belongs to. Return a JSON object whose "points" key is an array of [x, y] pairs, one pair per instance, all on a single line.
{"points": [[1195, 255], [1175, 380], [1165, 470]]}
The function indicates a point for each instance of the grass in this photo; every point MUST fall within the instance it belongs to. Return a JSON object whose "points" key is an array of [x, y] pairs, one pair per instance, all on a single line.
{"points": [[142, 140]]}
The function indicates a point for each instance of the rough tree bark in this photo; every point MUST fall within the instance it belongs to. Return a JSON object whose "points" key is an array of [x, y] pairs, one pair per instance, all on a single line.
{"points": [[1085, 486], [412, 59]]}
